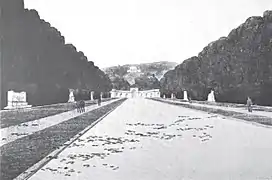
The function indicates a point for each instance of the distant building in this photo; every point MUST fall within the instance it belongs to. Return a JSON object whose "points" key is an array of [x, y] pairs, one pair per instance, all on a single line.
{"points": [[135, 93], [133, 69]]}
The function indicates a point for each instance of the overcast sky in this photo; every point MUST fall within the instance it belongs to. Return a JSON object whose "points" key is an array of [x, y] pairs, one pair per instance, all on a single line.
{"points": [[112, 32]]}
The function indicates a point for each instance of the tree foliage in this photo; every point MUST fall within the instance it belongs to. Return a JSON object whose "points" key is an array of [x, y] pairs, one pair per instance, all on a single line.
{"points": [[147, 82], [35, 59], [235, 66], [120, 83]]}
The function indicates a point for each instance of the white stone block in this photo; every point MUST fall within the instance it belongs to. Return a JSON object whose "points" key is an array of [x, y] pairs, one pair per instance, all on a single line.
{"points": [[211, 97], [16, 100], [185, 96], [71, 96]]}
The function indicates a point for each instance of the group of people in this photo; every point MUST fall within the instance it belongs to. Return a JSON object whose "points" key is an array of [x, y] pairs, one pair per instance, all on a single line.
{"points": [[80, 105]]}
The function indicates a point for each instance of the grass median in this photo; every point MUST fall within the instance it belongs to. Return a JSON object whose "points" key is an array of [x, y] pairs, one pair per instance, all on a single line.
{"points": [[19, 155], [15, 117]]}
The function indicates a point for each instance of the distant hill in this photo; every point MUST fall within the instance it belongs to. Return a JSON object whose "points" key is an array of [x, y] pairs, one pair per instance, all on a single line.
{"points": [[131, 72]]}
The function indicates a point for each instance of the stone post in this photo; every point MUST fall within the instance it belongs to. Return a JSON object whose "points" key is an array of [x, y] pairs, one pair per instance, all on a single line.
{"points": [[71, 96], [211, 97], [185, 96], [92, 93]]}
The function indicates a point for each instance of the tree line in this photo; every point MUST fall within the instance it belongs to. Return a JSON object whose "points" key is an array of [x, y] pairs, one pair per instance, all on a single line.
{"points": [[36, 59], [235, 66]]}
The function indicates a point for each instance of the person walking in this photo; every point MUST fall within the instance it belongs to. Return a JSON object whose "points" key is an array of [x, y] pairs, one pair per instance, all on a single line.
{"points": [[249, 104], [189, 99], [99, 101]]}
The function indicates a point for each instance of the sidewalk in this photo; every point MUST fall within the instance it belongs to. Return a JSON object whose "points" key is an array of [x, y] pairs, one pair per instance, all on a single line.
{"points": [[234, 109], [13, 133]]}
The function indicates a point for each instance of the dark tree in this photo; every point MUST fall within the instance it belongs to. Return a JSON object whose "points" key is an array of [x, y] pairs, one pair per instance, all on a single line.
{"points": [[35, 59], [235, 66]]}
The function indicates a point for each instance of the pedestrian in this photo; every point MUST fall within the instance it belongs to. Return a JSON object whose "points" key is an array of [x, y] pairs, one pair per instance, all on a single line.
{"points": [[249, 104], [190, 100], [78, 106], [99, 101], [82, 106]]}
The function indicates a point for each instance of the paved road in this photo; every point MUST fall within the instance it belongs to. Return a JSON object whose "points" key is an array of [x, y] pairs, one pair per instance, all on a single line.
{"points": [[145, 139]]}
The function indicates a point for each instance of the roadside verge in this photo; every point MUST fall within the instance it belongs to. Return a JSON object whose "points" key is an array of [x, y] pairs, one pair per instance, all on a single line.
{"points": [[251, 118]]}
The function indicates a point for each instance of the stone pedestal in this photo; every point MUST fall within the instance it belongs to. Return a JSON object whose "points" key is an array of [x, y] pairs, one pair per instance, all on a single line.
{"points": [[92, 93], [185, 96], [211, 97], [71, 96], [113, 93], [17, 100]]}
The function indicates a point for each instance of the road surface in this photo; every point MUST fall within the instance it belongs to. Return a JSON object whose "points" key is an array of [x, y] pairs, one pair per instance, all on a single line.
{"points": [[144, 139]]}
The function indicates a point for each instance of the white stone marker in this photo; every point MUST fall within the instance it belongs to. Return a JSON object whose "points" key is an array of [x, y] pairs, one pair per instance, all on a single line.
{"points": [[71, 96], [92, 93], [17, 100], [211, 97], [185, 96]]}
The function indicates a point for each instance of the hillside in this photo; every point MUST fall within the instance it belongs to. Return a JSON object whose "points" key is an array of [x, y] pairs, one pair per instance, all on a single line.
{"points": [[235, 66], [36, 59], [140, 72]]}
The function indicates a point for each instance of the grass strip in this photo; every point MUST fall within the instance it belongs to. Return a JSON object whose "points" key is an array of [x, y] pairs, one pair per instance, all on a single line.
{"points": [[15, 117]]}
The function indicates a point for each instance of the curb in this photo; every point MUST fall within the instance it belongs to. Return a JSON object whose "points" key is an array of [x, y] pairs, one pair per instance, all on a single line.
{"points": [[36, 167]]}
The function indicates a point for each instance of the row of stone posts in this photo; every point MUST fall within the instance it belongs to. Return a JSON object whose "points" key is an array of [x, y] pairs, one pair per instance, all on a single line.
{"points": [[185, 96], [72, 96], [210, 98]]}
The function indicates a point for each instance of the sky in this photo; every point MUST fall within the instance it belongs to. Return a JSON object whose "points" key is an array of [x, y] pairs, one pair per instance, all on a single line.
{"points": [[118, 32]]}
